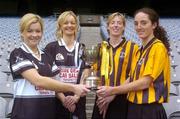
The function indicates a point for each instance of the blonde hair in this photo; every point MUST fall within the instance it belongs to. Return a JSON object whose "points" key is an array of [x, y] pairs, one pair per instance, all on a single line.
{"points": [[62, 19], [28, 19], [113, 15]]}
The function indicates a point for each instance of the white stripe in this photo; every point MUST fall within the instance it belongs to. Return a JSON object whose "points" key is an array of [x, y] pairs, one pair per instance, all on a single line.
{"points": [[80, 62], [21, 64], [54, 68], [76, 54]]}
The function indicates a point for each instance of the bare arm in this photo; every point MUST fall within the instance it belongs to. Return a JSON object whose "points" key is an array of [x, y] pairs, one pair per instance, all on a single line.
{"points": [[140, 84], [50, 84], [60, 96], [84, 75]]}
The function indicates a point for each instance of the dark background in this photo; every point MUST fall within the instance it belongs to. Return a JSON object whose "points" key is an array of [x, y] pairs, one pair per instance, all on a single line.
{"points": [[48, 7]]}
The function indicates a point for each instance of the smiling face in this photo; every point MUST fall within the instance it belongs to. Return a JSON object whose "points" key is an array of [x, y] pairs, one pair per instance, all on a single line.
{"points": [[32, 35], [31, 29], [144, 26], [116, 26], [67, 24], [68, 27]]}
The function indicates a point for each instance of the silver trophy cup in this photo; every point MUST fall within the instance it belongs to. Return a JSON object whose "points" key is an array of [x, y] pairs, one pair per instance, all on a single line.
{"points": [[91, 57]]}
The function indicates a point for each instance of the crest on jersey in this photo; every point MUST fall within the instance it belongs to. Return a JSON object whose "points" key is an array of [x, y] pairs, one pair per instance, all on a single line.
{"points": [[59, 56], [18, 59], [122, 55]]}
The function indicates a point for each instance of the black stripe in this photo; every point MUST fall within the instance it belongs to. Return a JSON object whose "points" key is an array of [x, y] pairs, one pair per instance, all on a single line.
{"points": [[135, 99], [146, 91], [130, 60], [112, 74], [149, 43], [145, 57], [139, 64], [121, 60], [159, 86], [165, 95]]}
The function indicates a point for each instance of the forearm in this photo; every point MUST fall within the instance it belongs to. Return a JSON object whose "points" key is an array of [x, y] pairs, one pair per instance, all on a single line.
{"points": [[46, 82], [84, 75], [60, 96], [137, 85], [51, 84]]}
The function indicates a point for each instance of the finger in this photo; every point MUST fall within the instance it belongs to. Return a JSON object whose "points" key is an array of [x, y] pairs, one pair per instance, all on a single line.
{"points": [[100, 87], [99, 102], [105, 110], [69, 101], [72, 108], [100, 91], [104, 113], [101, 105], [86, 89]]}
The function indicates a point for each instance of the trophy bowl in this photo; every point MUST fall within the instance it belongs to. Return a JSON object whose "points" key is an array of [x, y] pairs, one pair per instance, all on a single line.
{"points": [[91, 57]]}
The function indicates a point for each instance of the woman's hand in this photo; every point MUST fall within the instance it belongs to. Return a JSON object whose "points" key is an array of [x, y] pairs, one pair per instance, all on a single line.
{"points": [[80, 90], [103, 104], [70, 103], [104, 91]]}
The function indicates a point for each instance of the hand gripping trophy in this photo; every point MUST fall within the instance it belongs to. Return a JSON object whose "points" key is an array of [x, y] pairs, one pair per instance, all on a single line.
{"points": [[91, 57]]}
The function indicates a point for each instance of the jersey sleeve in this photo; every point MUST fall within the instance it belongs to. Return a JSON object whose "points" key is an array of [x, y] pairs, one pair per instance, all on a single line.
{"points": [[82, 55], [50, 52], [55, 69], [156, 61], [50, 49], [19, 63]]}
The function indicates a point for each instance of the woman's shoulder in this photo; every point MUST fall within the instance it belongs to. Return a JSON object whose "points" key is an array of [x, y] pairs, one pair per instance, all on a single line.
{"points": [[52, 44], [17, 55], [17, 51], [158, 44]]}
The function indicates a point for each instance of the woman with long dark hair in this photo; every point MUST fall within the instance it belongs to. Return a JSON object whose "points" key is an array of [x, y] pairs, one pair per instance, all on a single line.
{"points": [[149, 80]]}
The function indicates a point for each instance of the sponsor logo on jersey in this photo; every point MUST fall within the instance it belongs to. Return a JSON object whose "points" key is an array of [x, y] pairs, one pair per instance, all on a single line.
{"points": [[59, 57], [68, 74]]}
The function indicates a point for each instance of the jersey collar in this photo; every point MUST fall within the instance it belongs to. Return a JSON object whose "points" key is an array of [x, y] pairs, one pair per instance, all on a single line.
{"points": [[28, 50], [62, 43]]}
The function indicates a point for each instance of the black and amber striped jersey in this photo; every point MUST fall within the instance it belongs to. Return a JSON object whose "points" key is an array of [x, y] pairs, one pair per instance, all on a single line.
{"points": [[152, 60], [119, 59]]}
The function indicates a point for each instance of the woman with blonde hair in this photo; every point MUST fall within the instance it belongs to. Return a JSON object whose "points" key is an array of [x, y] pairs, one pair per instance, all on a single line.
{"points": [[114, 67], [32, 71], [68, 55]]}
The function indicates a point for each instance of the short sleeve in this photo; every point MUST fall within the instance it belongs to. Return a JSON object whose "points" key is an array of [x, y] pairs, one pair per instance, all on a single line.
{"points": [[55, 69], [50, 52], [19, 63], [50, 49], [82, 56], [156, 61]]}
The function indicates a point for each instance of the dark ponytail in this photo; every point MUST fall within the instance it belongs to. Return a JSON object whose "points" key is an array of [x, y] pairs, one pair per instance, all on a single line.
{"points": [[161, 34]]}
